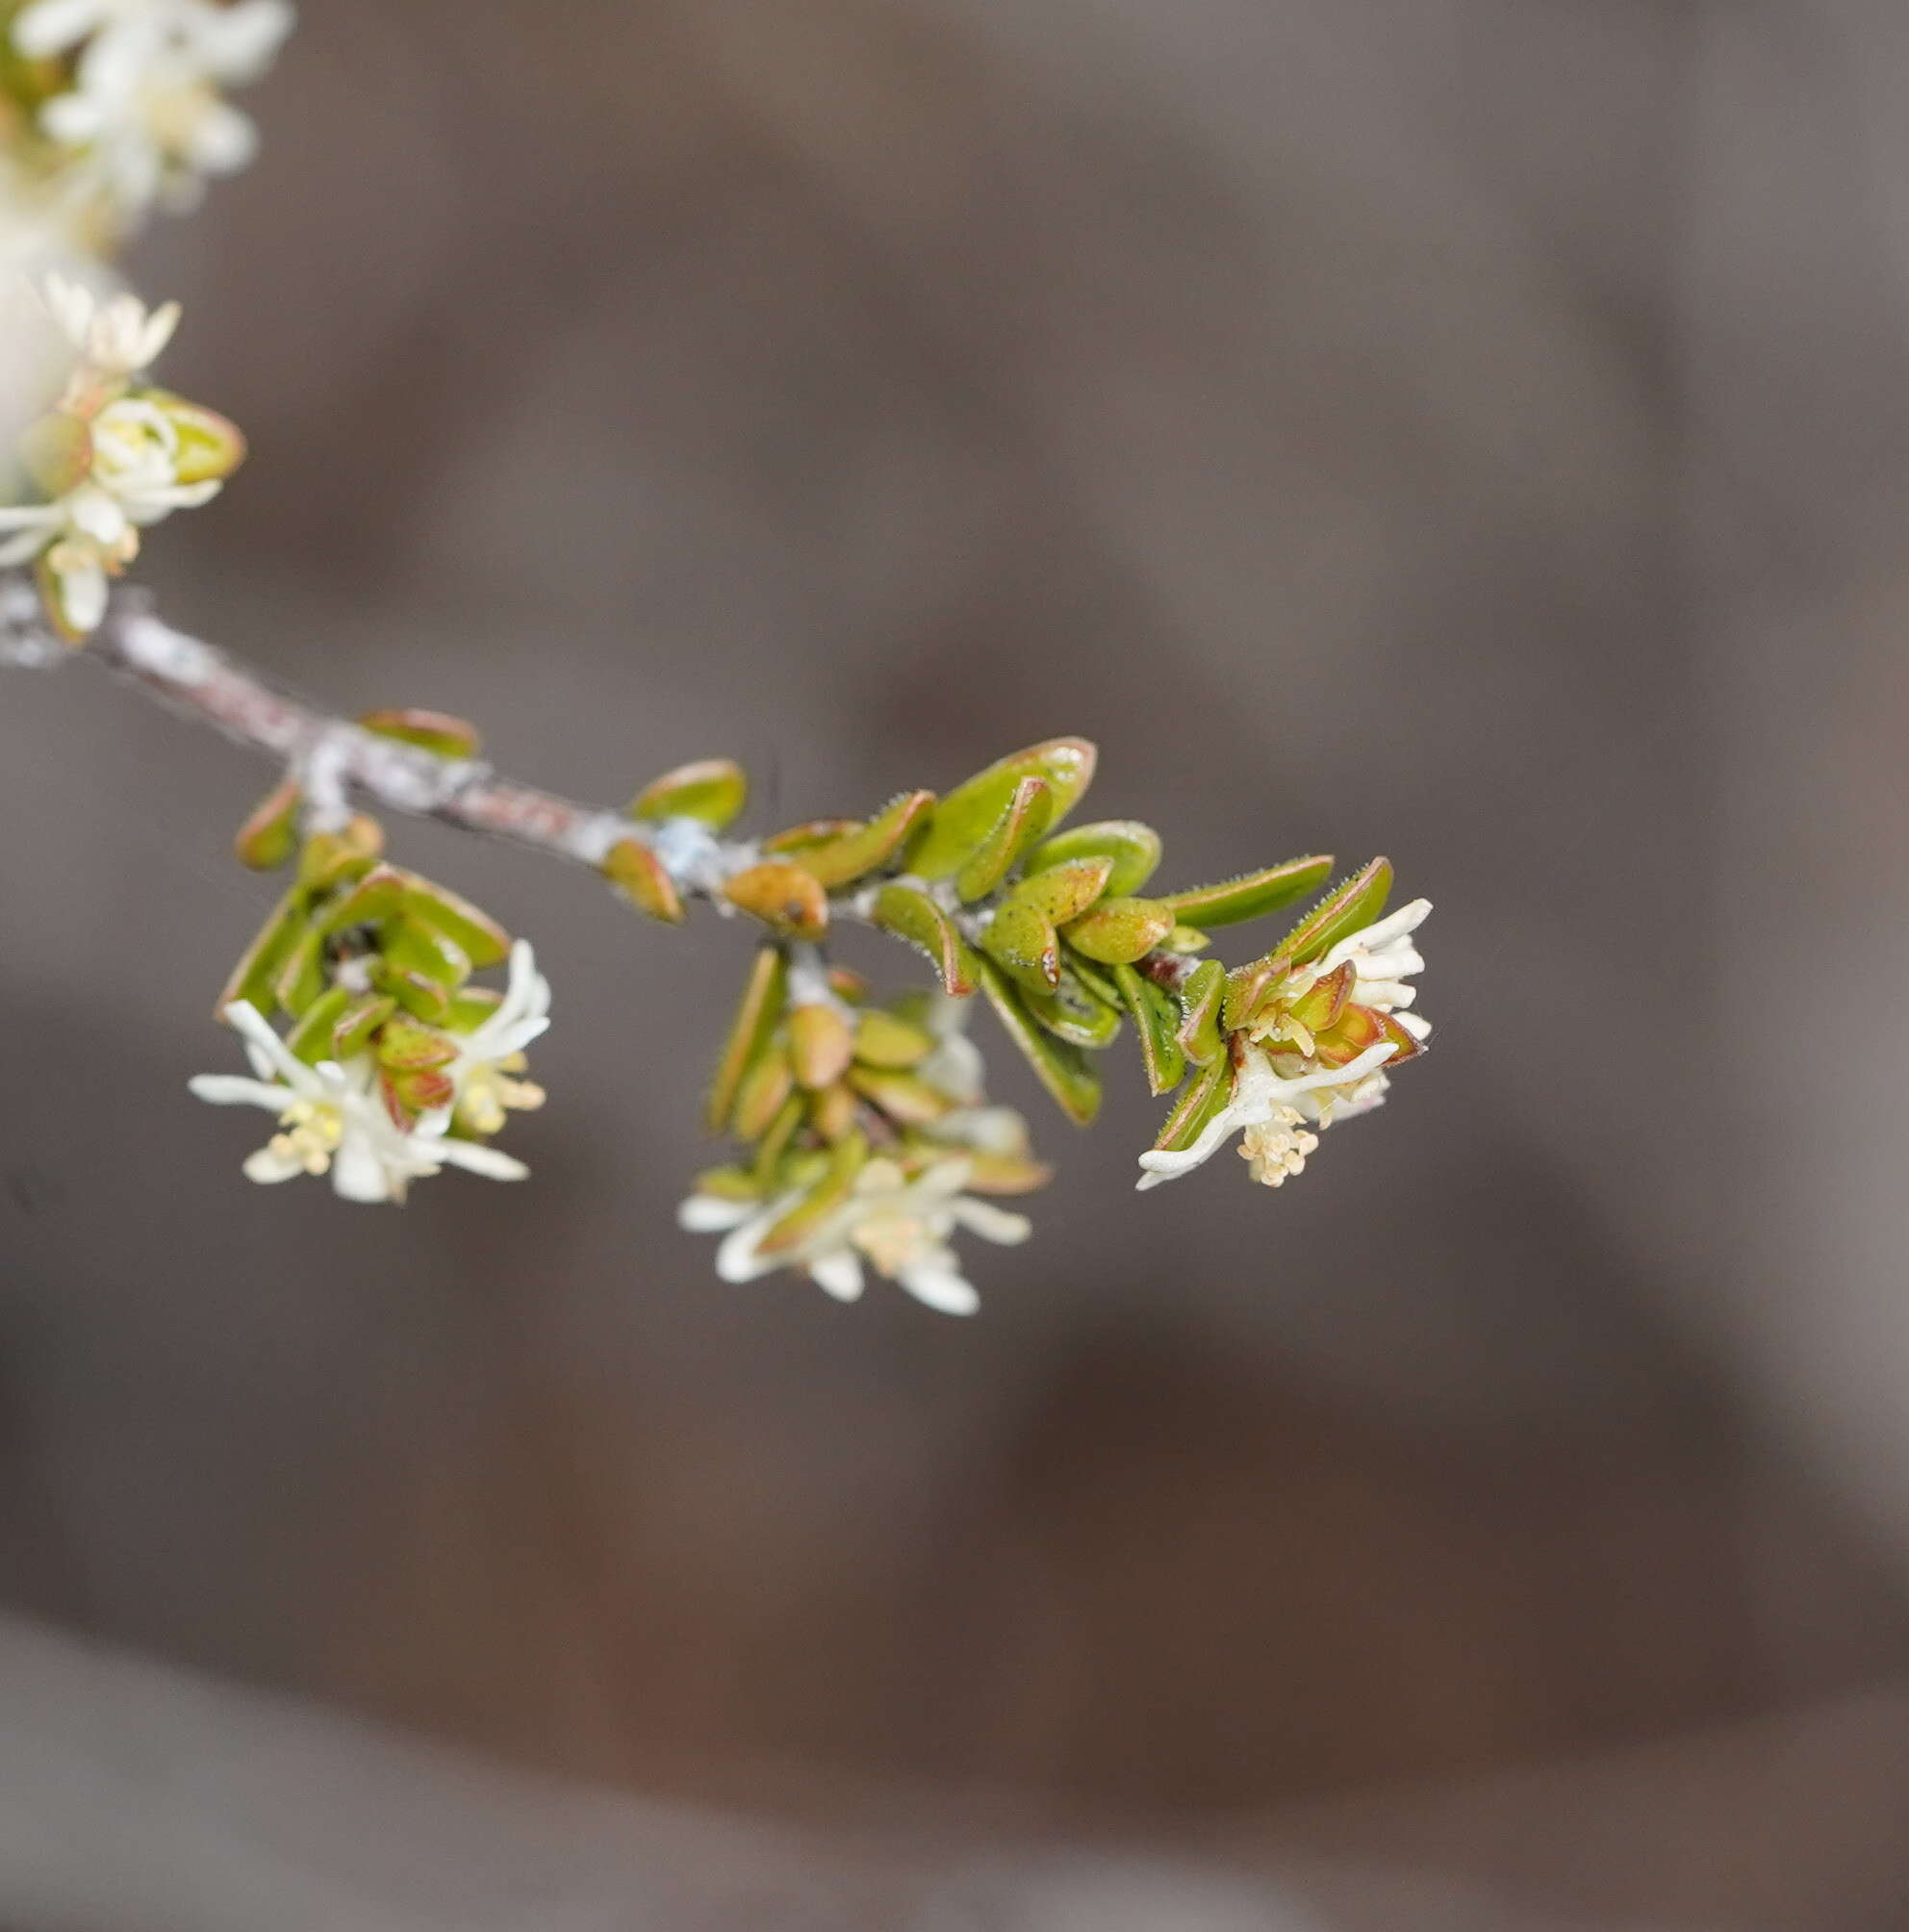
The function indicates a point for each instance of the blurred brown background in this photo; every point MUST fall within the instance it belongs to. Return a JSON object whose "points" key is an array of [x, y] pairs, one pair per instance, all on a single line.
{"points": [[1474, 431]]}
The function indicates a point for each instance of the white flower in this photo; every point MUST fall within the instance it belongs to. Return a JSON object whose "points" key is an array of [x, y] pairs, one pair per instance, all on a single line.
{"points": [[144, 113], [333, 1119], [490, 1057], [115, 337], [129, 463], [1266, 1105], [1383, 956], [900, 1225]]}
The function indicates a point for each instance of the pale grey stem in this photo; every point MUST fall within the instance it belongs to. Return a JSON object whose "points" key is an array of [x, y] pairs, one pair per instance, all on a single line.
{"points": [[337, 760]]}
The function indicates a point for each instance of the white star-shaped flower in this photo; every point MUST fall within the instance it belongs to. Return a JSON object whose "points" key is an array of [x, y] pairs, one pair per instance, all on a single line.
{"points": [[333, 1120]]}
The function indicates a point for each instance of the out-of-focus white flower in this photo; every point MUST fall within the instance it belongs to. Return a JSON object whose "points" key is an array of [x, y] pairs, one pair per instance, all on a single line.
{"points": [[145, 117], [902, 1226], [490, 1062], [955, 1066], [333, 1120], [118, 459], [115, 337]]}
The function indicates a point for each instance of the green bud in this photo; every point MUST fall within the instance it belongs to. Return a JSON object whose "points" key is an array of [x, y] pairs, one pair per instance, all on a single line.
{"points": [[210, 445], [1120, 931], [422, 998], [783, 896], [642, 878], [269, 836], [1133, 848], [331, 859], [404, 1046]]}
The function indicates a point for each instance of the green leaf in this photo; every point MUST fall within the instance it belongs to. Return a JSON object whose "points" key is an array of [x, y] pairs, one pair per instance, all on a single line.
{"points": [[1346, 909], [846, 1160], [1023, 820], [1201, 994], [762, 1094], [422, 998], [762, 1006], [1074, 1014], [361, 1017], [1064, 892], [1250, 895], [1196, 1108], [969, 813], [376, 896], [310, 1039], [821, 1045], [1023, 940], [713, 790], [1133, 848], [256, 974], [413, 947], [1065, 1071], [884, 1039], [769, 1152], [904, 1097], [476, 935], [301, 974], [332, 859], [857, 853], [1120, 931], [1153, 1017], [910, 914], [435, 732]]}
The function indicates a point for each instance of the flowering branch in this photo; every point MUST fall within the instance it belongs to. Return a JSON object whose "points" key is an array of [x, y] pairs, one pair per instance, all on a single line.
{"points": [[862, 1133]]}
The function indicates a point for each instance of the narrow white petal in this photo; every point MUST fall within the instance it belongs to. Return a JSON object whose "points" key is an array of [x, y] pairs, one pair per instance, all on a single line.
{"points": [[234, 1090], [267, 1166], [838, 1273], [357, 1174], [941, 1289], [474, 1157], [711, 1214], [992, 1223]]}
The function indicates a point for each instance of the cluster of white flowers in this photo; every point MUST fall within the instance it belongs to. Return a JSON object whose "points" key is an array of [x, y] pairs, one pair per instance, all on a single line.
{"points": [[145, 120], [333, 1117], [1281, 1090], [125, 458]]}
